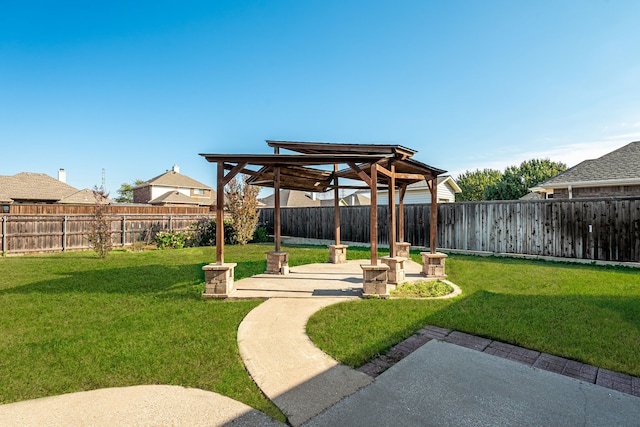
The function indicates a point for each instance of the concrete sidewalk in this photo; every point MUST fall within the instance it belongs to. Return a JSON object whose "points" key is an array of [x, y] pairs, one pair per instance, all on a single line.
{"points": [[443, 384]]}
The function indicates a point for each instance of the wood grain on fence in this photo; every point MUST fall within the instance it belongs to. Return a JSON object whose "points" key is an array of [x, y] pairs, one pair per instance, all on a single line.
{"points": [[54, 233], [595, 229]]}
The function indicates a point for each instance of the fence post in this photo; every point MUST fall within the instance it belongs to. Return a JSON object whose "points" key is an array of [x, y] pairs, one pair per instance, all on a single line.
{"points": [[170, 223], [4, 234], [124, 230], [64, 233]]}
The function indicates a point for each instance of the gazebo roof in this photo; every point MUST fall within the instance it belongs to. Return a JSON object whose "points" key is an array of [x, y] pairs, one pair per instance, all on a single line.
{"points": [[301, 171]]}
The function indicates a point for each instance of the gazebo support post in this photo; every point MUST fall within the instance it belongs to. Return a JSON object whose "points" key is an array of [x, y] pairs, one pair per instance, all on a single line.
{"points": [[219, 276], [396, 272], [433, 261], [277, 261], [402, 248], [338, 251], [375, 275]]}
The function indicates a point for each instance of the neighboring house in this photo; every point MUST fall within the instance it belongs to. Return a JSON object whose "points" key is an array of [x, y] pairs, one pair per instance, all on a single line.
{"points": [[174, 189], [614, 174], [419, 192], [291, 199], [297, 199], [28, 187]]}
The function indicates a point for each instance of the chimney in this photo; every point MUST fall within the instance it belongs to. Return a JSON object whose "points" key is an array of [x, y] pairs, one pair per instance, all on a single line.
{"points": [[62, 175], [176, 168]]}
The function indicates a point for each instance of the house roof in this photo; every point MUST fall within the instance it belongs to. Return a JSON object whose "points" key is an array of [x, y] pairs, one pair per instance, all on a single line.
{"points": [[443, 179], [175, 179], [174, 197], [618, 167], [291, 199], [85, 196], [31, 186]]}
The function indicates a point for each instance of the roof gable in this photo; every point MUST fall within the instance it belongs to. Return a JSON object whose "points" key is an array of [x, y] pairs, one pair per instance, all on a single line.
{"points": [[174, 179]]}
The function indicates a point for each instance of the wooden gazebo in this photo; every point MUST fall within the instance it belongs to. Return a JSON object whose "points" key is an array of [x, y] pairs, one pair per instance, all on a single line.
{"points": [[307, 167]]}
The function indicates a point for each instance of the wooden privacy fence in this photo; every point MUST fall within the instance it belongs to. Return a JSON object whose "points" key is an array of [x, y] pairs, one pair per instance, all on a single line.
{"points": [[53, 233], [595, 229]]}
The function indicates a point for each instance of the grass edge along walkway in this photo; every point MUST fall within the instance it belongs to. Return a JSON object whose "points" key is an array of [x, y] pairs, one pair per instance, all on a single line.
{"points": [[590, 314]]}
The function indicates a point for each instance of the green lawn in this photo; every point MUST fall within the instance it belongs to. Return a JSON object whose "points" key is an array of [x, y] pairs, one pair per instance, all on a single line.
{"points": [[582, 312], [71, 321]]}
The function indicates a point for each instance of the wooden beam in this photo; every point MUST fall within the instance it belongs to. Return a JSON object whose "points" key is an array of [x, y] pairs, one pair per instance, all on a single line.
{"points": [[373, 216], [276, 201], [383, 170], [233, 172], [433, 222], [220, 215], [403, 191], [336, 205], [411, 176], [363, 176], [392, 211]]}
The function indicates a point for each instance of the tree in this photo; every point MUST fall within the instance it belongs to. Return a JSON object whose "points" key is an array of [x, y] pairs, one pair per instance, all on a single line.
{"points": [[242, 205], [125, 193], [100, 229], [474, 183], [516, 181]]}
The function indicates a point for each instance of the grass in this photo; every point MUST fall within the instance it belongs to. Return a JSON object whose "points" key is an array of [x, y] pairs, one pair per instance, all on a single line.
{"points": [[72, 322], [422, 289], [582, 312]]}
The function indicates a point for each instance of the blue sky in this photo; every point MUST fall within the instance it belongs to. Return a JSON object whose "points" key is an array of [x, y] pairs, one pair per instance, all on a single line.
{"points": [[134, 87]]}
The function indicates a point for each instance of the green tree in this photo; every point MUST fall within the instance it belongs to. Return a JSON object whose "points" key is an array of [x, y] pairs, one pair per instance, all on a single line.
{"points": [[242, 205], [474, 183], [125, 193], [516, 180]]}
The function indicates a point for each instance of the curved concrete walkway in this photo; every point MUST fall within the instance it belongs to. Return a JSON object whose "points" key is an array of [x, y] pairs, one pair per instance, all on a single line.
{"points": [[145, 405], [289, 369]]}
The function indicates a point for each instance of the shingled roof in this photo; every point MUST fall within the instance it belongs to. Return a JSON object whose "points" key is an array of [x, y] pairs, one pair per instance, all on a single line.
{"points": [[29, 186], [173, 198], [615, 168], [291, 199], [175, 179]]}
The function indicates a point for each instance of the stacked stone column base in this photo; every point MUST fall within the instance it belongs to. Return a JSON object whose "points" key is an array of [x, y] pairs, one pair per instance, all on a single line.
{"points": [[277, 262], [375, 281], [219, 280], [433, 265], [338, 254]]}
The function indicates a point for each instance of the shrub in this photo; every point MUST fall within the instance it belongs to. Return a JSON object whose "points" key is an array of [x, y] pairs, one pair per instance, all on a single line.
{"points": [[100, 233], [167, 240]]}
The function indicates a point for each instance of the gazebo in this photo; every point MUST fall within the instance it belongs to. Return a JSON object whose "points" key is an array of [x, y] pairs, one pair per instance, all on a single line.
{"points": [[322, 167]]}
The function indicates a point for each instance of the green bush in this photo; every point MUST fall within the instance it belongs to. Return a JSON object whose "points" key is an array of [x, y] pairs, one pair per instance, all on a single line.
{"points": [[177, 240], [261, 235]]}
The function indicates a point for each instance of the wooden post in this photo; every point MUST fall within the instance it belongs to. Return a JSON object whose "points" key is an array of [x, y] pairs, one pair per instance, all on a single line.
{"points": [[373, 215], [336, 205], [220, 215], [433, 225], [276, 199], [392, 211], [403, 190]]}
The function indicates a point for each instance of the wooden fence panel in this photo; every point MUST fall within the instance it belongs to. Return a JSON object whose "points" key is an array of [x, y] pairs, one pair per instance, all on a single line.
{"points": [[54, 233], [597, 229]]}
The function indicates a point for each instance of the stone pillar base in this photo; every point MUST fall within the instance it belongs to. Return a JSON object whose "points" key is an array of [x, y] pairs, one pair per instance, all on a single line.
{"points": [[402, 249], [338, 254], [396, 272], [277, 263], [219, 280], [433, 265], [375, 281]]}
